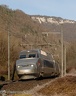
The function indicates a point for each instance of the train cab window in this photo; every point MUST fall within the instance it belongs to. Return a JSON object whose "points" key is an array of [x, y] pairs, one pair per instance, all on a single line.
{"points": [[48, 64], [32, 56], [22, 56]]}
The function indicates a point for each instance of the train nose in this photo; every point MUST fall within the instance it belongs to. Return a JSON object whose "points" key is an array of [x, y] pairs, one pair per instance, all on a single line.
{"points": [[26, 67]]}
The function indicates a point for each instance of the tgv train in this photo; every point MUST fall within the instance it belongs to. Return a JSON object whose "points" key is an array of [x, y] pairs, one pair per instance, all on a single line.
{"points": [[36, 63]]}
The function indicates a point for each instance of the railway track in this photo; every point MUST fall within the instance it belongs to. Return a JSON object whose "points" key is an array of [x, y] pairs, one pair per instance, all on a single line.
{"points": [[24, 85], [42, 87]]}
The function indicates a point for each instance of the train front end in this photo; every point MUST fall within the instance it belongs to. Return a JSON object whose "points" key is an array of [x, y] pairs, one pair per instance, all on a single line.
{"points": [[26, 66]]}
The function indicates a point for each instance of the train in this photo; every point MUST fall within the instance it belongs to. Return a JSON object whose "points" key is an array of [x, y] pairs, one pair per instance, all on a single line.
{"points": [[36, 63]]}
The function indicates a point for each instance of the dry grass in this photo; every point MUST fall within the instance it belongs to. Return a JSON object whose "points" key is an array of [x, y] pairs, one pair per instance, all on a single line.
{"points": [[65, 85]]}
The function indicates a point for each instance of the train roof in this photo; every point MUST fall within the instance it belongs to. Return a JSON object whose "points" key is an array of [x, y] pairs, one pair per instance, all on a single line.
{"points": [[31, 50], [35, 50], [42, 53]]}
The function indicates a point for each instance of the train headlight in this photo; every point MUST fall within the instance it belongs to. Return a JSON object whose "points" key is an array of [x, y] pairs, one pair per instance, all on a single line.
{"points": [[32, 65], [18, 66]]}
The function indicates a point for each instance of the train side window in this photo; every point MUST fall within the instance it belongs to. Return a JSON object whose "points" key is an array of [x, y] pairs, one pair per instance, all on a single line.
{"points": [[45, 64], [48, 64], [51, 64]]}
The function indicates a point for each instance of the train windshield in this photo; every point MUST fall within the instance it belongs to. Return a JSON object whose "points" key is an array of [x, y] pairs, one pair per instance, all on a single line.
{"points": [[29, 55], [22, 56]]}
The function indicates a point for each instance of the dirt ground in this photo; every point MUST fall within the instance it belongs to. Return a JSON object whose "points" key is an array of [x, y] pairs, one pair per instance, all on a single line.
{"points": [[65, 86]]}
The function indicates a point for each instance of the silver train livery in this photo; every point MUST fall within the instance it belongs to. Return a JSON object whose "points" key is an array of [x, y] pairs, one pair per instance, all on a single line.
{"points": [[36, 63]]}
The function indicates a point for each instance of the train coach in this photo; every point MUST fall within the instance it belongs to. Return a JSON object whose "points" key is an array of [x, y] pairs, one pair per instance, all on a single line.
{"points": [[36, 63]]}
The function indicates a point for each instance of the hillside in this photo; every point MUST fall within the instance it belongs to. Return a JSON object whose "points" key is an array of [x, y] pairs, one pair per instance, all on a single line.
{"points": [[26, 33], [23, 33], [54, 24], [17, 22]]}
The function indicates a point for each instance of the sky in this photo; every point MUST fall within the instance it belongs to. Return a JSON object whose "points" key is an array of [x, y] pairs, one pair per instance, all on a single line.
{"points": [[60, 8]]}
